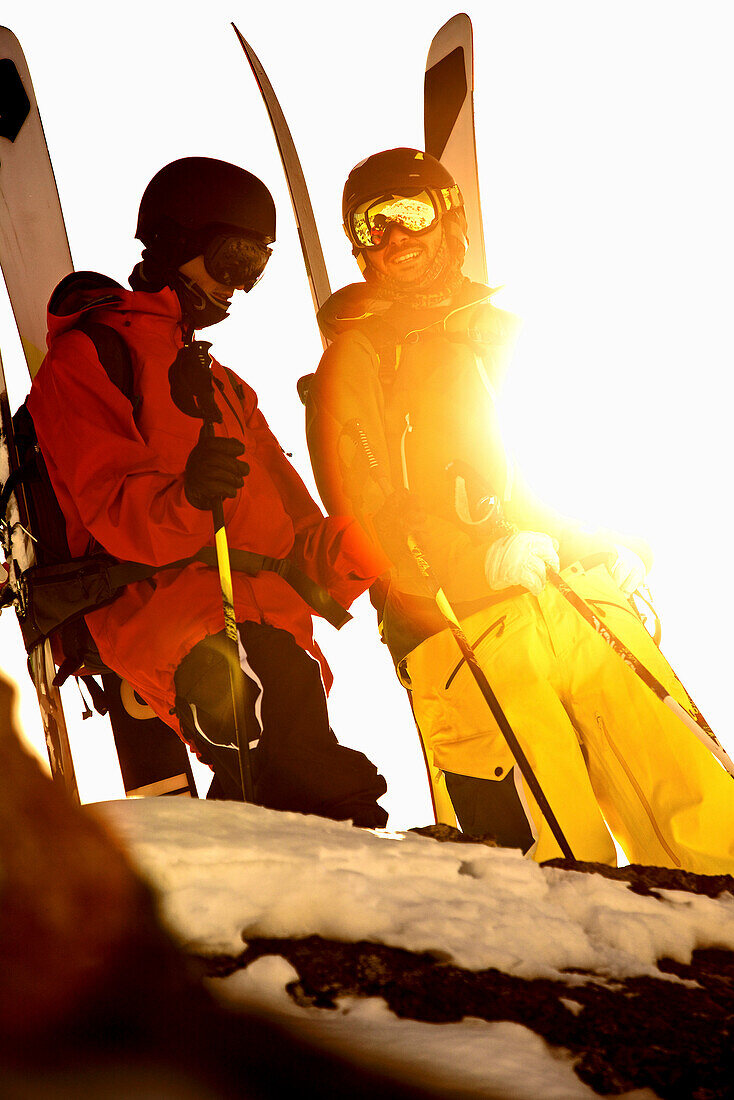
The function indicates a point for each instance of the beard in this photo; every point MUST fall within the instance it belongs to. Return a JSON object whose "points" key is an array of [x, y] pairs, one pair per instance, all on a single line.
{"points": [[439, 281]]}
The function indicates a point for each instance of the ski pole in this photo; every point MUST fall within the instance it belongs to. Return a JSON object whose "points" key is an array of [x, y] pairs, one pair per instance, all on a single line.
{"points": [[236, 675], [695, 722], [490, 698], [470, 657], [203, 402]]}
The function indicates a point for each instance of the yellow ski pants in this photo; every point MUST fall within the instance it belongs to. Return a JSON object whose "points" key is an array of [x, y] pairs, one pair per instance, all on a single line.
{"points": [[603, 747]]}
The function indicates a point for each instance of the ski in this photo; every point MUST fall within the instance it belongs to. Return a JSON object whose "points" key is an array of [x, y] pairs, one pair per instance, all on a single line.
{"points": [[448, 135], [153, 759], [30, 212], [34, 257], [448, 121], [308, 234], [19, 554], [34, 250]]}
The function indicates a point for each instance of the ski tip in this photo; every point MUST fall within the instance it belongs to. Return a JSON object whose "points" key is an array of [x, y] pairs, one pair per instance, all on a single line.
{"points": [[456, 33], [249, 52], [460, 21]]}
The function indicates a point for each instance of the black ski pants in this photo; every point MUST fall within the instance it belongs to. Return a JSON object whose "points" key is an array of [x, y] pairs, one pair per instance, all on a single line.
{"points": [[297, 763]]}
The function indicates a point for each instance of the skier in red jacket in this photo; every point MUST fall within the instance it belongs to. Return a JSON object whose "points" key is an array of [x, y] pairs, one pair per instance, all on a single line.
{"points": [[138, 479]]}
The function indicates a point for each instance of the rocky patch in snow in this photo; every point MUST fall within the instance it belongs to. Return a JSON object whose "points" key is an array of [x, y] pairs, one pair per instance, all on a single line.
{"points": [[465, 969]]}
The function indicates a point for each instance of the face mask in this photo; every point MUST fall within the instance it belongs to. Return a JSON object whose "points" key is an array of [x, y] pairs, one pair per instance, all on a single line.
{"points": [[198, 309]]}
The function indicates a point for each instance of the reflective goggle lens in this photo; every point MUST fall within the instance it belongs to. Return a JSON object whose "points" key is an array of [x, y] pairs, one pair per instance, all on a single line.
{"points": [[236, 261], [371, 221]]}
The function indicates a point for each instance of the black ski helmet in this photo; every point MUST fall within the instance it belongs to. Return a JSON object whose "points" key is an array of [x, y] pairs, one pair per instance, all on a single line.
{"points": [[401, 170], [191, 199]]}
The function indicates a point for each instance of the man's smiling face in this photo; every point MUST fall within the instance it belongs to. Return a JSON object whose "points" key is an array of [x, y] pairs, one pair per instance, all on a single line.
{"points": [[406, 257]]}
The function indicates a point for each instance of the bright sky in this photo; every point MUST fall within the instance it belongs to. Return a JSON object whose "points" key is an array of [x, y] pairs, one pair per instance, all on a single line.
{"points": [[603, 146]]}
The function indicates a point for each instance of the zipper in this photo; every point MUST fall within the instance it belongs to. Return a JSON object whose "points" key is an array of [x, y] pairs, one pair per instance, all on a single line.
{"points": [[638, 791], [406, 432]]}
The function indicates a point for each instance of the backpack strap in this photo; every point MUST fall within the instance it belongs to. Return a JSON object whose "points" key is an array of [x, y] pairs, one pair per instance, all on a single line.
{"points": [[384, 339], [114, 355]]}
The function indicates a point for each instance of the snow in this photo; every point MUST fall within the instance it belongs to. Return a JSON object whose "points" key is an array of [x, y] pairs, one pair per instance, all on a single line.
{"points": [[227, 871], [506, 1057]]}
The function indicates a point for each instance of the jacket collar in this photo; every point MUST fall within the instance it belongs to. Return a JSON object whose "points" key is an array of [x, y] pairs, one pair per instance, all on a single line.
{"points": [[357, 303], [84, 292]]}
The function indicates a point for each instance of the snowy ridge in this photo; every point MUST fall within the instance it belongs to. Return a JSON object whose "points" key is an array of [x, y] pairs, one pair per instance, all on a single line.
{"points": [[226, 872]]}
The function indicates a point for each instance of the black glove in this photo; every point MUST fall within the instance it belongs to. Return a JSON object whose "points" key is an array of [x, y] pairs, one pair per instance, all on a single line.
{"points": [[190, 378], [213, 471]]}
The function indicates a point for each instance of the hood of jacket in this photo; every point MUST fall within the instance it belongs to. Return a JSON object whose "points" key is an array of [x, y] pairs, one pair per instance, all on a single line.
{"points": [[84, 292]]}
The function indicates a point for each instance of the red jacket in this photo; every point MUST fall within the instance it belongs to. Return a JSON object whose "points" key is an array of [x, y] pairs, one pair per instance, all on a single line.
{"points": [[119, 480]]}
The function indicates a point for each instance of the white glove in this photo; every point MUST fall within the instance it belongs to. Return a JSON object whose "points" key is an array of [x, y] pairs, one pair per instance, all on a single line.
{"points": [[521, 558], [628, 570]]}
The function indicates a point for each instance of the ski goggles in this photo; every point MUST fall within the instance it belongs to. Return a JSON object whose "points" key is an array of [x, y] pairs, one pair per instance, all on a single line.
{"points": [[236, 260], [369, 224]]}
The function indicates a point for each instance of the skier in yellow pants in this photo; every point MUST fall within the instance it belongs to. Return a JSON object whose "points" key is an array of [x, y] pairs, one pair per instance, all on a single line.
{"points": [[601, 745], [404, 433]]}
